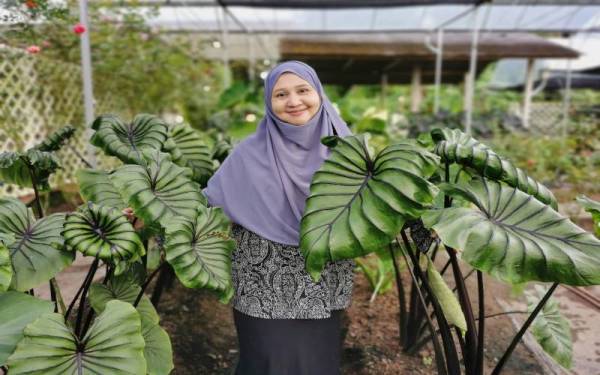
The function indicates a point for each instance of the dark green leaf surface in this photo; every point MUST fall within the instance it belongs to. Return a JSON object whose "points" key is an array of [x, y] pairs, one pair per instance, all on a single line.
{"points": [[34, 255], [458, 147], [515, 237], [113, 345], [200, 250], [127, 141], [358, 203], [14, 169], [593, 208], [160, 190], [102, 232]]}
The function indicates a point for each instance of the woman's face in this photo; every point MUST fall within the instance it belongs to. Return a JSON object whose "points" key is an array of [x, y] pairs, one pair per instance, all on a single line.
{"points": [[294, 100]]}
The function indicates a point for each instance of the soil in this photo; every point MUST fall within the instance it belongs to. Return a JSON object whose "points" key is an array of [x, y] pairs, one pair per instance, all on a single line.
{"points": [[204, 338]]}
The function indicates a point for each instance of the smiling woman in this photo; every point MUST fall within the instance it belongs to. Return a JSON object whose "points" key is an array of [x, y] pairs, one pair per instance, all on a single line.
{"points": [[294, 100], [286, 323]]}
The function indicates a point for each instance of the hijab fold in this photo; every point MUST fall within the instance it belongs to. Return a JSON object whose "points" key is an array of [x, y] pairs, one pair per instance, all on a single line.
{"points": [[263, 184]]}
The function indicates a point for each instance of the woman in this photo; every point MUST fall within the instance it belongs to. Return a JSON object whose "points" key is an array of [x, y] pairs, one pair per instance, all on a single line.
{"points": [[286, 323]]}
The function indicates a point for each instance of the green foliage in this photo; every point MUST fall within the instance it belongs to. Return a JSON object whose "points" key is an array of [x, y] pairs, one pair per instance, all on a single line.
{"points": [[195, 154], [36, 255], [455, 146], [102, 232], [446, 298], [514, 237], [358, 202], [114, 344], [378, 268], [96, 186], [57, 139], [551, 329], [18, 167], [200, 250], [159, 190], [593, 208]]}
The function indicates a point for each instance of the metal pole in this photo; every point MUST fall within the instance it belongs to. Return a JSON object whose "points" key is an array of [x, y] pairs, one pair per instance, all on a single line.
{"points": [[251, 60], [86, 75], [438, 69], [528, 92], [566, 101], [471, 75], [225, 55]]}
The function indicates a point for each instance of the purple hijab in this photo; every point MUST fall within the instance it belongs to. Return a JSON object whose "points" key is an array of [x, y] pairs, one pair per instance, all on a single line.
{"points": [[264, 183]]}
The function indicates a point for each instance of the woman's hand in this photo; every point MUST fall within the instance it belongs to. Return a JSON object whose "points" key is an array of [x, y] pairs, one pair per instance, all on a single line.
{"points": [[129, 213]]}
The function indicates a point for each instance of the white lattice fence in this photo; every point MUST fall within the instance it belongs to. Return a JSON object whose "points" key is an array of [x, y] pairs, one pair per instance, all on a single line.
{"points": [[37, 97]]}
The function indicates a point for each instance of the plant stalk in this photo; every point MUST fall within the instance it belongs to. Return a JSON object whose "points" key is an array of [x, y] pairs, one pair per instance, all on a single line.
{"points": [[401, 297], [58, 295], [93, 269], [439, 354], [146, 283], [481, 330], [523, 329], [449, 348], [72, 304]]}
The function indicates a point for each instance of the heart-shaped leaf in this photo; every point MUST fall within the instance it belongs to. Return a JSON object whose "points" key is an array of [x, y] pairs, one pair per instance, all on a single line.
{"points": [[160, 190], [157, 349], [34, 255], [102, 232], [126, 141], [200, 250], [17, 310], [113, 345], [458, 147], [195, 153], [515, 237], [358, 203], [550, 329], [95, 186]]}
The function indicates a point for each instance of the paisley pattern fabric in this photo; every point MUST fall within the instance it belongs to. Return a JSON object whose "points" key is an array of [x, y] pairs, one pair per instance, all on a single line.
{"points": [[270, 281]]}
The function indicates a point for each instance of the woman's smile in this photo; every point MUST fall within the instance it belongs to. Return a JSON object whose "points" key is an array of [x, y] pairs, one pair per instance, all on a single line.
{"points": [[294, 100]]}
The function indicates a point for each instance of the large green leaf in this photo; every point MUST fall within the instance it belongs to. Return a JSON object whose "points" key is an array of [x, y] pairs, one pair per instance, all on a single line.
{"points": [[55, 140], [34, 255], [235, 94], [593, 208], [446, 298], [157, 349], [551, 329], [515, 237], [102, 232], [113, 345], [14, 167], [126, 141], [95, 186], [195, 153], [160, 190], [458, 147], [17, 310], [358, 203], [200, 250]]}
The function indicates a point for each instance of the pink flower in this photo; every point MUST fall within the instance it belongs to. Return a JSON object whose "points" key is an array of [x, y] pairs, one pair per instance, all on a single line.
{"points": [[33, 49], [78, 29], [46, 44]]}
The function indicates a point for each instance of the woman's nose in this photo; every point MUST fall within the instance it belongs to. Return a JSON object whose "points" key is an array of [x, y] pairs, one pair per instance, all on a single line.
{"points": [[293, 100]]}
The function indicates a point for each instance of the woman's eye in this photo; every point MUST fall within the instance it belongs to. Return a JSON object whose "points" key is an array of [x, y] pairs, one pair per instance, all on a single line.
{"points": [[280, 95]]}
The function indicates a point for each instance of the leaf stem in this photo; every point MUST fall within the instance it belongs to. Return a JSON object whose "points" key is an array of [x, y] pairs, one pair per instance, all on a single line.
{"points": [[86, 286], [401, 296], [146, 283]]}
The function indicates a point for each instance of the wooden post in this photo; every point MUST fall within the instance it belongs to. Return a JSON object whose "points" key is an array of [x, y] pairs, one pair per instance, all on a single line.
{"points": [[528, 90], [416, 94]]}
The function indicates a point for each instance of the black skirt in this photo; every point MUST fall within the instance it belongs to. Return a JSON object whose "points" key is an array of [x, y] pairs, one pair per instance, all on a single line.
{"points": [[288, 346]]}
